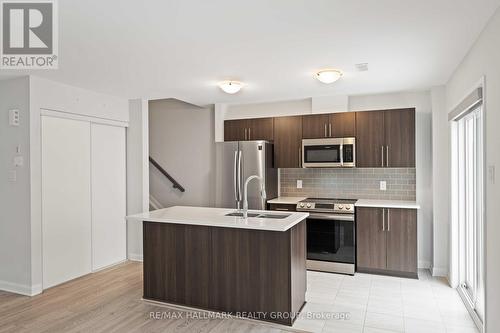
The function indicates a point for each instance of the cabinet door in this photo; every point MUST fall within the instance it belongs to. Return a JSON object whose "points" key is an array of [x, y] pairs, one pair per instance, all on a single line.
{"points": [[235, 130], [402, 240], [315, 126], [66, 200], [371, 238], [343, 124], [370, 139], [400, 138], [288, 141], [109, 233], [260, 129]]}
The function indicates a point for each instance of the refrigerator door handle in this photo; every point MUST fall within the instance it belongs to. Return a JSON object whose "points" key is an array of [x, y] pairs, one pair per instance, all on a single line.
{"points": [[236, 176], [240, 175]]}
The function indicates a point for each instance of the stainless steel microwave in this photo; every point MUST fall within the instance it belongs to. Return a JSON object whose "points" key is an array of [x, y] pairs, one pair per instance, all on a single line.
{"points": [[329, 153]]}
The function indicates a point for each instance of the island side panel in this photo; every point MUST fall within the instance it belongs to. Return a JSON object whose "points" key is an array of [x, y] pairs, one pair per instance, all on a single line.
{"points": [[298, 266], [177, 263], [251, 271]]}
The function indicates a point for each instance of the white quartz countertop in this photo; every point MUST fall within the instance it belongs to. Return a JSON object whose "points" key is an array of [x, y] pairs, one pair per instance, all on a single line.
{"points": [[387, 203], [215, 217], [286, 200]]}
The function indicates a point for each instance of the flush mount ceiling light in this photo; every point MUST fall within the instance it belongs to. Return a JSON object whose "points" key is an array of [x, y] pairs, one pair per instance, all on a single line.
{"points": [[328, 75], [231, 87]]}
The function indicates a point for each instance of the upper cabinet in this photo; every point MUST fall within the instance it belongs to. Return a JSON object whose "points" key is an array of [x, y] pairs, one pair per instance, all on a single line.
{"points": [[288, 141], [334, 125], [249, 129], [385, 138]]}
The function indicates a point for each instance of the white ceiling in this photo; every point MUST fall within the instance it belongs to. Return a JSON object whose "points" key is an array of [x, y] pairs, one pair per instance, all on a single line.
{"points": [[181, 49]]}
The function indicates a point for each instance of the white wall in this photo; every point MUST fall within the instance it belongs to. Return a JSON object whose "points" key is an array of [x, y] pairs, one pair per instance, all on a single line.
{"points": [[137, 173], [421, 101], [50, 95], [181, 140], [441, 182], [14, 196], [483, 60]]}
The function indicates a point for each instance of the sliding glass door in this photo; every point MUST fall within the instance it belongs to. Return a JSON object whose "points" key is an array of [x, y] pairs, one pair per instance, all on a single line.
{"points": [[469, 166]]}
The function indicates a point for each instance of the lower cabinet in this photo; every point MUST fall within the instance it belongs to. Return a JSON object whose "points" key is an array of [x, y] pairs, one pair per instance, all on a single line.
{"points": [[387, 241]]}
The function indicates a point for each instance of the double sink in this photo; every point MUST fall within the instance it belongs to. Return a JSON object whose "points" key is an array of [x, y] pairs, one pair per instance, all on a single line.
{"points": [[260, 216]]}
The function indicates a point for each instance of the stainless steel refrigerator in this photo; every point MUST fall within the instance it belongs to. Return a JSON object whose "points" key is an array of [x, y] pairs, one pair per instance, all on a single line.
{"points": [[235, 162]]}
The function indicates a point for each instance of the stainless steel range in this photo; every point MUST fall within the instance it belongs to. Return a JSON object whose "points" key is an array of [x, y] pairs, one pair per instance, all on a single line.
{"points": [[331, 234]]}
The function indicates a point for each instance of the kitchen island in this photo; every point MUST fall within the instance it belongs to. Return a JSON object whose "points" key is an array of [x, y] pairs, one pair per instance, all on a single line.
{"points": [[202, 258]]}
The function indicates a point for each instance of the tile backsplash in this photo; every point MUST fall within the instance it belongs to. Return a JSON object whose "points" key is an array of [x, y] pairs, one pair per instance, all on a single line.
{"points": [[357, 183]]}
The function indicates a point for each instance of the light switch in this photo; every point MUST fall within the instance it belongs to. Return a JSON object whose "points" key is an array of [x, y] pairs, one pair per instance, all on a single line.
{"points": [[383, 185], [14, 118], [299, 183]]}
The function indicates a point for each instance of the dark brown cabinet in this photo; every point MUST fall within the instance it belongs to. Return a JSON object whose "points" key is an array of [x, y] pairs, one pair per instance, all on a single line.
{"points": [[370, 139], [399, 128], [334, 125], [249, 129], [288, 141], [371, 239], [385, 138], [387, 241]]}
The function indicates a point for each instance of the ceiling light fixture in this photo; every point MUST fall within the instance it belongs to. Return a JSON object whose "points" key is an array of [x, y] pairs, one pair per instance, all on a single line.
{"points": [[231, 87], [328, 75]]}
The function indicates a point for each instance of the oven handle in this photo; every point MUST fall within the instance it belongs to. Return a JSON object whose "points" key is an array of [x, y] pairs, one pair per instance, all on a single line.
{"points": [[336, 217]]}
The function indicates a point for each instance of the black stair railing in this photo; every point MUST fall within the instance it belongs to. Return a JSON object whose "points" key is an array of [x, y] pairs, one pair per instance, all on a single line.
{"points": [[166, 174]]}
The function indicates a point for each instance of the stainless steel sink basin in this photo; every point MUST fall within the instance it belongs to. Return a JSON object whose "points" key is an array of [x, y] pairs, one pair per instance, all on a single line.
{"points": [[241, 214], [260, 216], [273, 216]]}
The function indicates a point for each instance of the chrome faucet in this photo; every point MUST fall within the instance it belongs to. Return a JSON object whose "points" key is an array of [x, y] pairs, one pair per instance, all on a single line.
{"points": [[245, 193]]}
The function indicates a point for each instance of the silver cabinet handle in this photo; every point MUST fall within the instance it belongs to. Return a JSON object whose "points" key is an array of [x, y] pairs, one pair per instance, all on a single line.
{"points": [[300, 157], [388, 219], [245, 133], [249, 136], [330, 129], [326, 135], [383, 219], [382, 160], [283, 209], [387, 156]]}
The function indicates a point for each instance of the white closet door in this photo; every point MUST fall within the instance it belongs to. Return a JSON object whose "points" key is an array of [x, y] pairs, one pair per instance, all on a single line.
{"points": [[66, 200], [109, 232]]}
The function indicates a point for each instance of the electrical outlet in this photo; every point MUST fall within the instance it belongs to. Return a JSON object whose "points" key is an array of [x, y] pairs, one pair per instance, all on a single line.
{"points": [[383, 185], [12, 176], [299, 183]]}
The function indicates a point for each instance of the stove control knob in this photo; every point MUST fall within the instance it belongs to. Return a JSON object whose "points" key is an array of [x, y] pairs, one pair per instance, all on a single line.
{"points": [[308, 205], [340, 206], [301, 204], [348, 207]]}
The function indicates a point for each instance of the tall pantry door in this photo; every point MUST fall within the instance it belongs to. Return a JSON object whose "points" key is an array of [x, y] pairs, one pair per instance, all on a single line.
{"points": [[66, 199], [108, 195]]}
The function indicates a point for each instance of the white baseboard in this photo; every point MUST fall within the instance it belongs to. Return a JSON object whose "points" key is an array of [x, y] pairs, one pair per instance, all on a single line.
{"points": [[423, 264], [135, 257], [439, 271], [21, 289]]}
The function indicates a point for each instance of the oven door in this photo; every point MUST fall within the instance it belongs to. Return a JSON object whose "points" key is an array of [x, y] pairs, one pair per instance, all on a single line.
{"points": [[331, 239], [321, 153]]}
